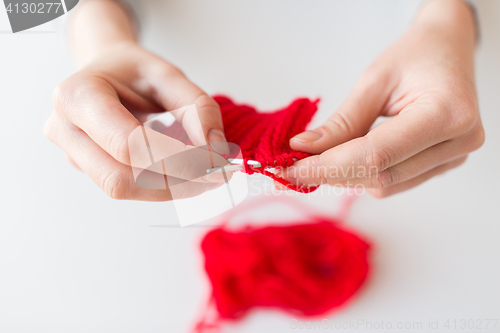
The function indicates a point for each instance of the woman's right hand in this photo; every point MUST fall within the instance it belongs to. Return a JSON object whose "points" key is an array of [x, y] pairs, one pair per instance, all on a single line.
{"points": [[96, 110]]}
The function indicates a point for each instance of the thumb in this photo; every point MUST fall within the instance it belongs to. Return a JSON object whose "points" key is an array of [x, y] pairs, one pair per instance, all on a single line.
{"points": [[203, 122], [353, 118]]}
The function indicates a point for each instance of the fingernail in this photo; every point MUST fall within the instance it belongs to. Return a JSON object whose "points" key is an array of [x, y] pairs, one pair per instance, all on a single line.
{"points": [[308, 136], [218, 141]]}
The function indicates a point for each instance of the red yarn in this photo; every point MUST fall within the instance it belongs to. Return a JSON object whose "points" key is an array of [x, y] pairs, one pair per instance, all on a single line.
{"points": [[307, 268], [264, 137]]}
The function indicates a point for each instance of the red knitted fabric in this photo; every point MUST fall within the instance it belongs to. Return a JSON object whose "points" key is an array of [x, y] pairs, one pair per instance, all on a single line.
{"points": [[264, 137], [306, 269]]}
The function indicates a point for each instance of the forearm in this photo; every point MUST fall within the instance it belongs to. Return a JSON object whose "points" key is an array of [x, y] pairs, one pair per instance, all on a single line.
{"points": [[449, 29], [98, 25], [449, 15]]}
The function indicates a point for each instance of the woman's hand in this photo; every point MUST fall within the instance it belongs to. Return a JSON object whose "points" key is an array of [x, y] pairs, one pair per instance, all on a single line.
{"points": [[119, 84], [425, 82]]}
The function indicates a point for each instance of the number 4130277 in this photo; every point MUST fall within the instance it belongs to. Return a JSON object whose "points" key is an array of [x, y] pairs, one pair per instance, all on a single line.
{"points": [[34, 8], [471, 324]]}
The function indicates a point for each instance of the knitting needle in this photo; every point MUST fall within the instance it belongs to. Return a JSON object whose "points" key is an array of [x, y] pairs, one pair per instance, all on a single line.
{"points": [[226, 168], [240, 161], [238, 165]]}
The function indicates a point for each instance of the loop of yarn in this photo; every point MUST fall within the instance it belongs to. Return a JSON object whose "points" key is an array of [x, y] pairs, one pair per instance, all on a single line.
{"points": [[307, 269]]}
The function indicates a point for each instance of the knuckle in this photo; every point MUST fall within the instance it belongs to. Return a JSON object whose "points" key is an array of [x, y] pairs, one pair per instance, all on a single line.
{"points": [[466, 119], [113, 184], [117, 143], [55, 127], [437, 107], [338, 122], [377, 159], [61, 94], [478, 138], [205, 101], [379, 193], [386, 178], [166, 70], [459, 118], [73, 90]]}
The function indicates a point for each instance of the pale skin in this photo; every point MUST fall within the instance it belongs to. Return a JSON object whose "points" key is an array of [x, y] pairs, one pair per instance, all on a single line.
{"points": [[424, 82], [118, 84]]}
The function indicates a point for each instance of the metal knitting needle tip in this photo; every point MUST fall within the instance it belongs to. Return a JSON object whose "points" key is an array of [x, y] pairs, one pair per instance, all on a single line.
{"points": [[241, 161], [237, 165], [228, 168]]}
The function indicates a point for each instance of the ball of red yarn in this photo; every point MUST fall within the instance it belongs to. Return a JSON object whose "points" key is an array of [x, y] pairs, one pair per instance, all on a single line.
{"points": [[306, 269]]}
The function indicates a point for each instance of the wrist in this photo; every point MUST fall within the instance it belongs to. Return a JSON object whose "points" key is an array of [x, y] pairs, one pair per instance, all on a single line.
{"points": [[99, 26], [453, 16]]}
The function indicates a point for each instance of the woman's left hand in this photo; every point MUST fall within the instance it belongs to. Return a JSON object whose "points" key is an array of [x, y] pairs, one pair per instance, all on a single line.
{"points": [[425, 82]]}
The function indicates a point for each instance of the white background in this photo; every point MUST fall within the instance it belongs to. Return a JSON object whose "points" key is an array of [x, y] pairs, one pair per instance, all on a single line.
{"points": [[73, 260]]}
